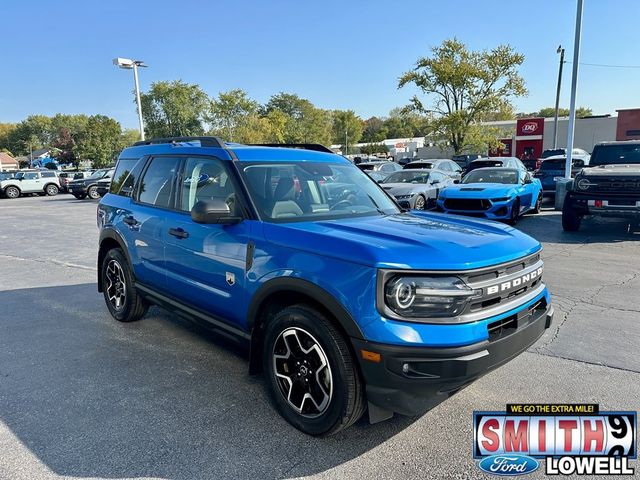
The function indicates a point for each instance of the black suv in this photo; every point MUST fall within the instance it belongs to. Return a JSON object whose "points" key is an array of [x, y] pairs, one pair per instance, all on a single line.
{"points": [[88, 187], [610, 186]]}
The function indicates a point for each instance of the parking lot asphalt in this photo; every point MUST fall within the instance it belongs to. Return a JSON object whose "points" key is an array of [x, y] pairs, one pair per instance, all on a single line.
{"points": [[84, 396]]}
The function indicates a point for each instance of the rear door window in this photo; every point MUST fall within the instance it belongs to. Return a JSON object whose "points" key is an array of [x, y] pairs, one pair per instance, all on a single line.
{"points": [[157, 186], [125, 176]]}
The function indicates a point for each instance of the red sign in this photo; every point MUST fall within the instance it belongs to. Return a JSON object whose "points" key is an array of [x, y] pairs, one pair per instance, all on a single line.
{"points": [[530, 126]]}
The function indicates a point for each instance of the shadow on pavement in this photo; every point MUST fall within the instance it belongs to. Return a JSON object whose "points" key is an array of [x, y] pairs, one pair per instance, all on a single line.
{"points": [[89, 396]]}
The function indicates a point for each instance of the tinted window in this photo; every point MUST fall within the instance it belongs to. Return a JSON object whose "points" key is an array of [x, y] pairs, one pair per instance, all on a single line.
{"points": [[48, 175], [157, 184], [408, 176], [497, 175], [30, 176], [311, 191], [615, 154], [553, 164], [366, 166], [418, 165], [125, 176], [207, 179]]}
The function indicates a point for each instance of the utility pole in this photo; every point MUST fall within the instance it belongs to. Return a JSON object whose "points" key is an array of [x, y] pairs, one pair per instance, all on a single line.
{"points": [[346, 144], [555, 123], [574, 87]]}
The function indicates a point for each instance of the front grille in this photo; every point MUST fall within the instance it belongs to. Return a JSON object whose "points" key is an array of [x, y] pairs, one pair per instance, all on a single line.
{"points": [[614, 185], [507, 326], [467, 204]]}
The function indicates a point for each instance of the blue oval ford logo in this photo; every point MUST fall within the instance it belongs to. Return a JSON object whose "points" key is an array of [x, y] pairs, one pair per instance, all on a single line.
{"points": [[508, 464]]}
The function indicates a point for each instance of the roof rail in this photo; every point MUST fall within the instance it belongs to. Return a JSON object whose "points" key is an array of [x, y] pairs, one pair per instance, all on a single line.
{"points": [[204, 141], [302, 146]]}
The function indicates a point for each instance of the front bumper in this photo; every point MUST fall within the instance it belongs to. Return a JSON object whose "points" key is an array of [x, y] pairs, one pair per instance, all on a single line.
{"points": [[77, 189], [606, 205], [411, 380], [497, 210]]}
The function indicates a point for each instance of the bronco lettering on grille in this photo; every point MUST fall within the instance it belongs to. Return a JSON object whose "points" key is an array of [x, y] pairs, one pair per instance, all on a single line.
{"points": [[521, 281]]}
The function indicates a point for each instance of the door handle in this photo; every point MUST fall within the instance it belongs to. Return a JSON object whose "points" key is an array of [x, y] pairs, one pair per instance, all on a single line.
{"points": [[178, 233], [129, 220]]}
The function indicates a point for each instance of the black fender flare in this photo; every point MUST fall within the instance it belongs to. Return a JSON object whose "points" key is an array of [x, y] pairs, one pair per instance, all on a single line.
{"points": [[309, 289], [109, 233]]}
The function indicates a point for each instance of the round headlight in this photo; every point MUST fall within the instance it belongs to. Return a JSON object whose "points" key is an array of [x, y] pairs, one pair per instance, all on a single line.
{"points": [[404, 294], [583, 183]]}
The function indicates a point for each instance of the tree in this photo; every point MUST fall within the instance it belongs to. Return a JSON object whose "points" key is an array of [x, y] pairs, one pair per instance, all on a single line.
{"points": [[347, 128], [6, 130], [174, 109], [403, 123], [548, 112], [32, 133], [374, 148], [462, 87], [64, 146], [229, 113], [304, 122], [100, 141], [128, 137], [374, 130]]}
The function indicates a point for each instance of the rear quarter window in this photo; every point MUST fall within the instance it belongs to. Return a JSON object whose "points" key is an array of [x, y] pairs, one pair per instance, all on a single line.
{"points": [[125, 176]]}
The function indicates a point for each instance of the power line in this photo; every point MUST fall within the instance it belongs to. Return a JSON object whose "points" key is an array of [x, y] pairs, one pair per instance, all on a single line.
{"points": [[604, 65]]}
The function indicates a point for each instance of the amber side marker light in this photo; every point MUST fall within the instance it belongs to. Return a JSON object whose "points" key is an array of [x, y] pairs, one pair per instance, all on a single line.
{"points": [[370, 356]]}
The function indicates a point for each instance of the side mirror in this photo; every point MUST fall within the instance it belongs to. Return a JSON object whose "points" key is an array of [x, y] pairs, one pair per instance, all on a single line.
{"points": [[433, 182], [456, 181], [213, 211], [527, 180]]}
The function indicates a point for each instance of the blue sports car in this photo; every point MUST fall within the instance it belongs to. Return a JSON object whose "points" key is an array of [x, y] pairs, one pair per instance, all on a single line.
{"points": [[493, 193]]}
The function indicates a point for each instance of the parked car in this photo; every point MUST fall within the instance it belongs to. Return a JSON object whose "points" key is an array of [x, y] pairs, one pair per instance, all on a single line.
{"points": [[338, 299], [534, 164], [553, 168], [608, 187], [494, 193], [448, 167], [6, 175], [416, 189], [506, 162], [380, 166], [44, 182], [463, 160], [88, 187]]}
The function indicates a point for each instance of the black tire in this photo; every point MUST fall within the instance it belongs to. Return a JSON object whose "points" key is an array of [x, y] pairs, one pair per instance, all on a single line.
{"points": [[336, 385], [93, 193], [131, 306], [538, 206], [421, 203], [51, 190], [12, 192], [80, 196], [570, 219], [515, 212]]}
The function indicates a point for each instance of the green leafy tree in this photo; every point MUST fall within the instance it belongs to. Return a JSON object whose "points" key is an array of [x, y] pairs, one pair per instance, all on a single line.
{"points": [[128, 137], [404, 123], [230, 112], [374, 130], [372, 148], [100, 141], [548, 112], [6, 129], [463, 86], [32, 133], [304, 122], [174, 109], [347, 128]]}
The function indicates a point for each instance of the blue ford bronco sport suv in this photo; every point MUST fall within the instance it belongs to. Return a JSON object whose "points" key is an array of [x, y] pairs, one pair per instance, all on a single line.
{"points": [[345, 301]]}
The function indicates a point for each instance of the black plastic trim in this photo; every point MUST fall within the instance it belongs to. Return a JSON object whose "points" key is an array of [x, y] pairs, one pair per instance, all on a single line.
{"points": [[204, 141]]}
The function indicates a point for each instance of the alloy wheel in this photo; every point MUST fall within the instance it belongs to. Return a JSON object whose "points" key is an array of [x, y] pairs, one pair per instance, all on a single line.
{"points": [[420, 203], [12, 192], [116, 285], [303, 373]]}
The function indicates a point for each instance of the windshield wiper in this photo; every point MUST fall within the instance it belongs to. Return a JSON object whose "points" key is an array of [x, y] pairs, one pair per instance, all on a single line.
{"points": [[380, 211]]}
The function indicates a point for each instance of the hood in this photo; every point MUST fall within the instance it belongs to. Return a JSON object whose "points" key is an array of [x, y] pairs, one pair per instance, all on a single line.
{"points": [[477, 190], [632, 169], [421, 241], [403, 188]]}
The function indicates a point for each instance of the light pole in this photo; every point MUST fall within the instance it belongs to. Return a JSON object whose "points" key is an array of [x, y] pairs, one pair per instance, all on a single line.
{"points": [[555, 122], [346, 143], [128, 64], [574, 87]]}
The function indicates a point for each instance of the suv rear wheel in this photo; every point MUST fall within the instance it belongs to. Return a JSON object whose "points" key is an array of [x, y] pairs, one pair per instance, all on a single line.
{"points": [[312, 376], [122, 299], [51, 190]]}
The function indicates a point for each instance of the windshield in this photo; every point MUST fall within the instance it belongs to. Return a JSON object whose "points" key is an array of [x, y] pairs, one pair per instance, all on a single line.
{"points": [[497, 175], [98, 174], [552, 153], [615, 155], [407, 177], [289, 191]]}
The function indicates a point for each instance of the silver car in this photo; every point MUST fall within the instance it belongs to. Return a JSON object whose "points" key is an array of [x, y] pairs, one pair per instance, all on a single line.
{"points": [[448, 167], [416, 189]]}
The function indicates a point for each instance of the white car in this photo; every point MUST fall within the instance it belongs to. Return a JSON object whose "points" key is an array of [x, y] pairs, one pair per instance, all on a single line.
{"points": [[417, 189], [31, 181]]}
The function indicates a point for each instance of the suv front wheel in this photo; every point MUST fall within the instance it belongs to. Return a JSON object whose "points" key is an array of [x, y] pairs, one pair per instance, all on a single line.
{"points": [[570, 219], [122, 299], [312, 376]]}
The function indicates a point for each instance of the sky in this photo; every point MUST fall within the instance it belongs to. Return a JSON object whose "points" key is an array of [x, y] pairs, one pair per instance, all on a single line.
{"points": [[57, 55]]}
